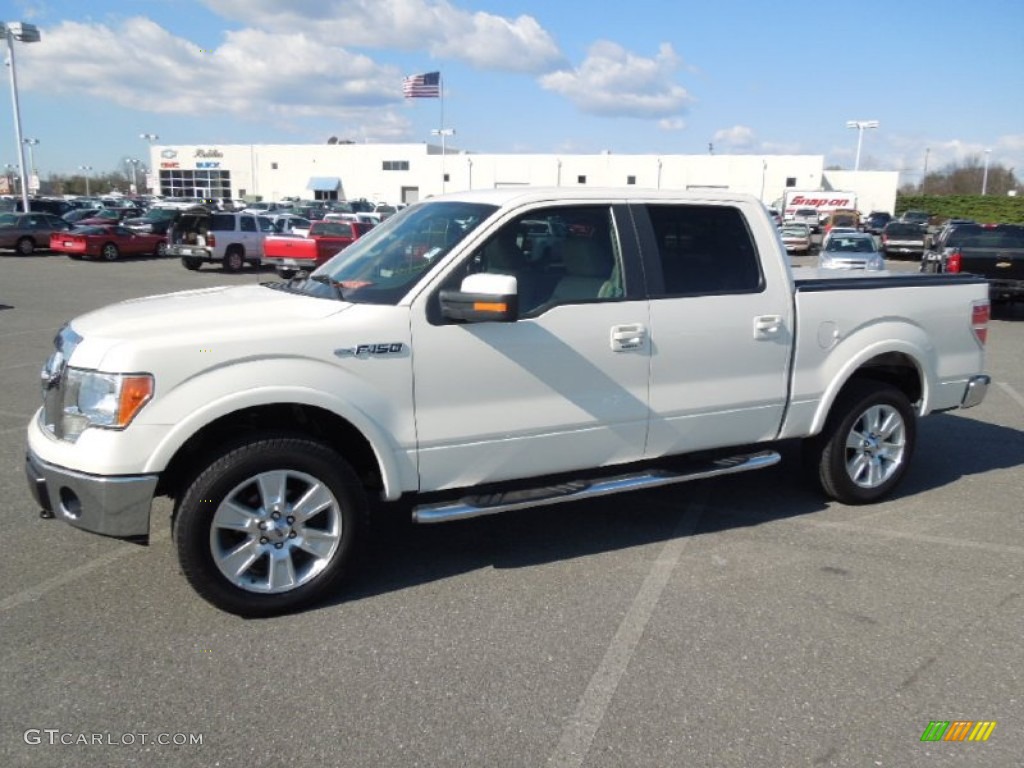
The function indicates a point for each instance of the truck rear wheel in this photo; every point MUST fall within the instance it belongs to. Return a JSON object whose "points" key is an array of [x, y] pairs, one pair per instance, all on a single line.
{"points": [[191, 263], [234, 259], [270, 526], [866, 445]]}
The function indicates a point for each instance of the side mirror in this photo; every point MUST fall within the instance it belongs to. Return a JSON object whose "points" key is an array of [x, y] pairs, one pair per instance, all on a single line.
{"points": [[483, 298]]}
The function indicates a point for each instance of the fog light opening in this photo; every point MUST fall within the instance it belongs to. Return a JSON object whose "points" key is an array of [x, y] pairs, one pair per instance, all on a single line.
{"points": [[70, 504]]}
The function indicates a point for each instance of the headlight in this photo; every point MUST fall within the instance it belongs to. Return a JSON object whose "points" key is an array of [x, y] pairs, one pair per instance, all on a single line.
{"points": [[94, 399]]}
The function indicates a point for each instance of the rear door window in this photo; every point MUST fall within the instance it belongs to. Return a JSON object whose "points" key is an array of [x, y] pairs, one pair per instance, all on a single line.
{"points": [[248, 224], [704, 249]]}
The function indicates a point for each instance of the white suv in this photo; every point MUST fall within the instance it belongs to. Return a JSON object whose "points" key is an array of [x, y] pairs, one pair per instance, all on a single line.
{"points": [[234, 239]]}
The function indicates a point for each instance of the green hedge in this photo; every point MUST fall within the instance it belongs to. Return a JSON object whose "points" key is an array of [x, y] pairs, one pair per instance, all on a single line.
{"points": [[988, 209]]}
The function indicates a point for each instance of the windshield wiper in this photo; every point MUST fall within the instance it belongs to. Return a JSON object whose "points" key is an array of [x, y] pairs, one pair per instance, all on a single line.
{"points": [[328, 281]]}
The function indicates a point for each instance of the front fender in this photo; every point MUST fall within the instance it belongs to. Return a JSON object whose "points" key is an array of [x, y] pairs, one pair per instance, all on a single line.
{"points": [[383, 417]]}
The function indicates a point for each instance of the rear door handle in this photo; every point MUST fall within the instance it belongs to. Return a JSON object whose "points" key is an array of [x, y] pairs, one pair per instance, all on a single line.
{"points": [[628, 337], [767, 326]]}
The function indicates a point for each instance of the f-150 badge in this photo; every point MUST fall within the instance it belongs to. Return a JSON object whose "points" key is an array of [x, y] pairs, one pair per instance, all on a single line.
{"points": [[372, 350]]}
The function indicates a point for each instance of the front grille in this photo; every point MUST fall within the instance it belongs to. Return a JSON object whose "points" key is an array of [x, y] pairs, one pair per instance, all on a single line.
{"points": [[53, 380]]}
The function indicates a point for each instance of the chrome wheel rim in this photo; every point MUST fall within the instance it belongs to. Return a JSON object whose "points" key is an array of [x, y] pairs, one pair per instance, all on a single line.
{"points": [[110, 252], [275, 531], [875, 446]]}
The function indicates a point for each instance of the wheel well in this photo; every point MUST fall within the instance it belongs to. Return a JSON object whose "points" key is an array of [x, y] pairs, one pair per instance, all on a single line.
{"points": [[199, 450], [894, 368], [235, 248]]}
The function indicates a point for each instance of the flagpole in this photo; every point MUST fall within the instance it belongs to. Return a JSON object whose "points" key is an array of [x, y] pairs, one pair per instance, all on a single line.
{"points": [[442, 131]]}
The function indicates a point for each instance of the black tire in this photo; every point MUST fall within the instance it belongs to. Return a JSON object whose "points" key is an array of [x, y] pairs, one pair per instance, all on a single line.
{"points": [[26, 246], [285, 274], [110, 252], [884, 419], [191, 263], [205, 544], [234, 259]]}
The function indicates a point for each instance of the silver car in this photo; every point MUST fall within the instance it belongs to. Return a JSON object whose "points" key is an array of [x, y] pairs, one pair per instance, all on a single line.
{"points": [[854, 250]]}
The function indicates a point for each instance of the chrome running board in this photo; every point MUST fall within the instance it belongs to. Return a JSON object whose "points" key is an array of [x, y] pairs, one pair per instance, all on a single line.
{"points": [[575, 490]]}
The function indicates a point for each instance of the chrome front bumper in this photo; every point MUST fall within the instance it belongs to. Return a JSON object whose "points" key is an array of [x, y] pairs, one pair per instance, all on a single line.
{"points": [[974, 392], [111, 506]]}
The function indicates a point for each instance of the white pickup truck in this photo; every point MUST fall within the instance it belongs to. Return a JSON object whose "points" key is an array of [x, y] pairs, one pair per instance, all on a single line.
{"points": [[450, 361]]}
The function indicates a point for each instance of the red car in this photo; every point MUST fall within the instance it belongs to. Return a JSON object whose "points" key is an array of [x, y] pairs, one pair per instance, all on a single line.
{"points": [[108, 243]]}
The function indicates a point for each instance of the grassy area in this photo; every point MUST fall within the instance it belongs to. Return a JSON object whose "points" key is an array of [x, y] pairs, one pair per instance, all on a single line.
{"points": [[988, 209]]}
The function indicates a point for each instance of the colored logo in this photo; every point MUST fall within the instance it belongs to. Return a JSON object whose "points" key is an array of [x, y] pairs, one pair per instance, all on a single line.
{"points": [[958, 730]]}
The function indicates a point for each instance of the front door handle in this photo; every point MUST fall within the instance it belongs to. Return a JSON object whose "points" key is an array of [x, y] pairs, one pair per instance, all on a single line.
{"points": [[625, 338]]}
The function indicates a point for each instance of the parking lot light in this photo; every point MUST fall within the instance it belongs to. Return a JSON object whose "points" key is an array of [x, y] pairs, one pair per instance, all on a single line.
{"points": [[133, 163], [861, 126], [86, 168], [23, 33], [984, 176]]}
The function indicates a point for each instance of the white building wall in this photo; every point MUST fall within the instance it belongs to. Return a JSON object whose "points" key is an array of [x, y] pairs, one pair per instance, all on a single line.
{"points": [[274, 171]]}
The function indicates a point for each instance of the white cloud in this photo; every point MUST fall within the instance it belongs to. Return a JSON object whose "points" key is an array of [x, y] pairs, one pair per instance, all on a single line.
{"points": [[253, 75], [615, 82], [437, 27], [739, 137], [672, 124]]}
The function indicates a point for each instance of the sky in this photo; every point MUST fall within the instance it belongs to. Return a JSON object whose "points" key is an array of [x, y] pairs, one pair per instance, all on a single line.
{"points": [[944, 80]]}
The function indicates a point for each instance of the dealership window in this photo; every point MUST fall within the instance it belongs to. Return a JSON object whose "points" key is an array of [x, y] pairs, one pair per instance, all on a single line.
{"points": [[204, 183], [446, 178], [273, 166], [631, 179], [581, 179], [791, 181], [396, 165]]}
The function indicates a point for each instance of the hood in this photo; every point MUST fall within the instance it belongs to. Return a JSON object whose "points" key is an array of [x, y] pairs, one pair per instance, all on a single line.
{"points": [[198, 317]]}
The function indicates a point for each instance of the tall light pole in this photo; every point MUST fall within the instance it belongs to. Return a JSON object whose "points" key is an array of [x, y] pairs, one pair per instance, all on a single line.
{"points": [[861, 126], [86, 168], [984, 177], [33, 177], [23, 33], [132, 163], [442, 132], [150, 137], [924, 176]]}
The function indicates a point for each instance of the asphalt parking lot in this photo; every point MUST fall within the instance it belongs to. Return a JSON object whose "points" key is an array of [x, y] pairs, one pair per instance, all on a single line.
{"points": [[736, 622]]}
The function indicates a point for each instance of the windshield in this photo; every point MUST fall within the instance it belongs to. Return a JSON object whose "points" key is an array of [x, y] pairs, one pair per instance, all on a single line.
{"points": [[382, 265], [850, 245]]}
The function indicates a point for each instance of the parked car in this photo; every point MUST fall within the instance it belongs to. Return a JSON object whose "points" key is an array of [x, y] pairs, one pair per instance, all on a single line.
{"points": [[290, 223], [796, 238], [158, 220], [290, 254], [808, 216], [838, 231], [108, 243], [108, 216], [76, 215], [902, 239], [25, 232], [916, 217], [233, 239], [853, 250], [842, 218], [993, 251], [875, 221], [383, 210], [54, 206]]}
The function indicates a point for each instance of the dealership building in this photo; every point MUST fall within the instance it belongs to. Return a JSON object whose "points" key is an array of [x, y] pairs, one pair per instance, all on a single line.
{"points": [[405, 173]]}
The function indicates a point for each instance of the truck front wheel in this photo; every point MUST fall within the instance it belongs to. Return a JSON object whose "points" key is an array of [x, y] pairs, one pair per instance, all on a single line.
{"points": [[270, 526], [865, 448]]}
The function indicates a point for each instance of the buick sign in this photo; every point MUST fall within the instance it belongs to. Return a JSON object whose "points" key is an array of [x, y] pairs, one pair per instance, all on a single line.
{"points": [[168, 153]]}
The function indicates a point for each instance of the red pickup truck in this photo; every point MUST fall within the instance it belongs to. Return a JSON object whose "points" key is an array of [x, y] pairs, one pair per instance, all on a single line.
{"points": [[289, 253]]}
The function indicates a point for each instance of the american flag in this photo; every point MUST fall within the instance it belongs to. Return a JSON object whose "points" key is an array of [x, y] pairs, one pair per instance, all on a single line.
{"points": [[425, 86]]}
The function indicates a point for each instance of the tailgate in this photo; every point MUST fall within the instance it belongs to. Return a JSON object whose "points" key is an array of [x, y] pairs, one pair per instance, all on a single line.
{"points": [[289, 248], [993, 263]]}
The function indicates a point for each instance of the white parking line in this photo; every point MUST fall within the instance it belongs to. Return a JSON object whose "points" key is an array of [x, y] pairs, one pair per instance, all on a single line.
{"points": [[1018, 398], [579, 732], [55, 582]]}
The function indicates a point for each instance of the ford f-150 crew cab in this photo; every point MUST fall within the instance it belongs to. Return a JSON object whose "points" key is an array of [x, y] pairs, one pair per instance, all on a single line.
{"points": [[447, 361]]}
